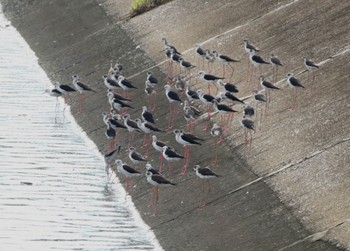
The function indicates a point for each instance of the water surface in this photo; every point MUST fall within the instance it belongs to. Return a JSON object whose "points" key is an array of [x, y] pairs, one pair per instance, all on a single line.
{"points": [[53, 186]]}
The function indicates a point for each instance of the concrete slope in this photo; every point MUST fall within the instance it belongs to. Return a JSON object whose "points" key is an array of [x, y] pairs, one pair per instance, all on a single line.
{"points": [[291, 150], [318, 128]]}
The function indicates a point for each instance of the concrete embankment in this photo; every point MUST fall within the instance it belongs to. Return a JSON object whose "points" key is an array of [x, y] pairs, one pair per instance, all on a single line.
{"points": [[291, 190]]}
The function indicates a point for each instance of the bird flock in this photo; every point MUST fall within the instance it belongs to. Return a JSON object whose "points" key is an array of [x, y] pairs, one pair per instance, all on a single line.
{"points": [[196, 104]]}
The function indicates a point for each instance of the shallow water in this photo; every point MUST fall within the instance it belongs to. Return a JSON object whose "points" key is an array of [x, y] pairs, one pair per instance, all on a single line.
{"points": [[53, 186]]}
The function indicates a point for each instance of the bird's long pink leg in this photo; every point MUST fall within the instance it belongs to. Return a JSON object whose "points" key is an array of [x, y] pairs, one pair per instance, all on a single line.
{"points": [[251, 140], [127, 184], [245, 136], [169, 118], [215, 160], [228, 117], [144, 141], [201, 201], [79, 104], [194, 124], [184, 167], [149, 101], [209, 186], [111, 144], [152, 102], [248, 71], [188, 157], [209, 117], [188, 125], [149, 142], [161, 162], [156, 202], [217, 89], [233, 70], [152, 197]]}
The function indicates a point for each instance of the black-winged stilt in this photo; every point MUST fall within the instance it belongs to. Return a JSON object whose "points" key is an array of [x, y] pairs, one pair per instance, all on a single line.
{"points": [[147, 115], [230, 96], [158, 146], [171, 155], [217, 132], [295, 84], [187, 66], [126, 85], [259, 98], [80, 87], [200, 52], [151, 96], [147, 128], [127, 171], [186, 140], [275, 62], [152, 80], [132, 127], [268, 87], [228, 86], [110, 134], [204, 173], [209, 79], [257, 61], [225, 60], [172, 97], [135, 156], [110, 83], [110, 157], [248, 46], [116, 104], [207, 100], [248, 125], [156, 180], [310, 66], [225, 111], [190, 94]]}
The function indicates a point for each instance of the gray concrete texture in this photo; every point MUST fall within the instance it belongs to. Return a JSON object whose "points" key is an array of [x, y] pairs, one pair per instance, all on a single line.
{"points": [[290, 192]]}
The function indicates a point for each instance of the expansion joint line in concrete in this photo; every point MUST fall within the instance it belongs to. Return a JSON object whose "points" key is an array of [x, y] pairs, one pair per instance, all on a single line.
{"points": [[312, 237], [217, 36], [280, 82], [312, 155], [316, 236]]}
